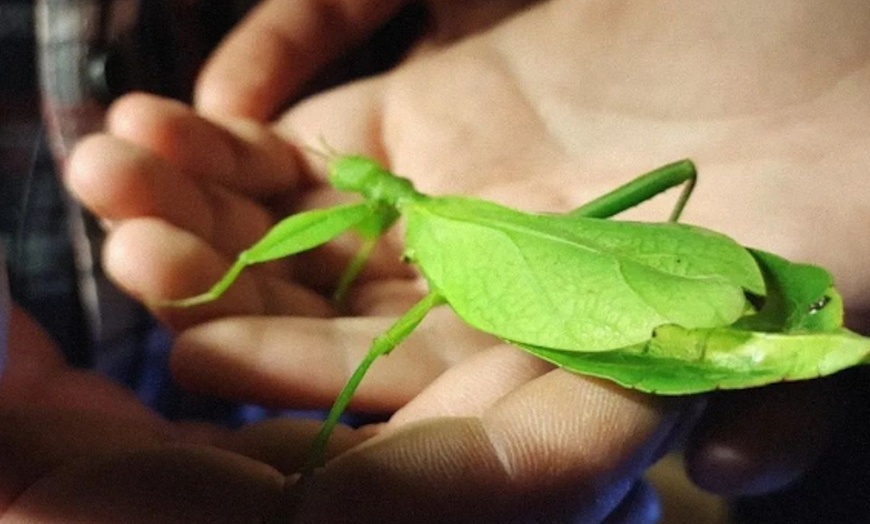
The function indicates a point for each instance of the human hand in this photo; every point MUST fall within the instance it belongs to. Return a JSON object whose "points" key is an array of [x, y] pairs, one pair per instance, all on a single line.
{"points": [[452, 139], [604, 94], [583, 87], [280, 50], [76, 447]]}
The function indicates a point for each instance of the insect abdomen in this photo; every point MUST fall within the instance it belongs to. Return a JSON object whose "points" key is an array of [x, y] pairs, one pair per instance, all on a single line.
{"points": [[565, 283]]}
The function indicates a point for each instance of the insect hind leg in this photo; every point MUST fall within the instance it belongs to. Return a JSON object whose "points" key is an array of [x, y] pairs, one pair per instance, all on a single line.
{"points": [[642, 189]]}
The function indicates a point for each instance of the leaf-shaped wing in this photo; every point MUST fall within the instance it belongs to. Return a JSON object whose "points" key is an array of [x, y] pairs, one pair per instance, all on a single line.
{"points": [[681, 361], [800, 297], [796, 335], [574, 283]]}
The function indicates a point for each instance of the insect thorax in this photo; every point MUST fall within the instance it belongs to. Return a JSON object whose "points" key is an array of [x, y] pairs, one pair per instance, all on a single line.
{"points": [[365, 176]]}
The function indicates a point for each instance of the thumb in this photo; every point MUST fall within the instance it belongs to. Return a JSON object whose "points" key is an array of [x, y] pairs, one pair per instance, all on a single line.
{"points": [[561, 447]]}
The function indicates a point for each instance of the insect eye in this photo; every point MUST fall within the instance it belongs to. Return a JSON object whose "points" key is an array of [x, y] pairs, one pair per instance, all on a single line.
{"points": [[817, 306]]}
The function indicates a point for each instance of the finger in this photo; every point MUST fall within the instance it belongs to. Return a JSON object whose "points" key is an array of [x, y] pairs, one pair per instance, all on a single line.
{"points": [[282, 443], [77, 447], [242, 155], [171, 485], [31, 354], [560, 447], [349, 118], [278, 48], [758, 441], [118, 180], [154, 261], [473, 386], [37, 379], [120, 176], [270, 360], [33, 442]]}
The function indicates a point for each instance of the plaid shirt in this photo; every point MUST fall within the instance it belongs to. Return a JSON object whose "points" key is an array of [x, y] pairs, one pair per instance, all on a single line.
{"points": [[32, 215], [51, 245]]}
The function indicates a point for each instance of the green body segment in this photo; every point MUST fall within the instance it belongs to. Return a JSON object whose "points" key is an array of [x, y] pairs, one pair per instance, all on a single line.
{"points": [[796, 335], [801, 298], [679, 361], [359, 174], [538, 279]]}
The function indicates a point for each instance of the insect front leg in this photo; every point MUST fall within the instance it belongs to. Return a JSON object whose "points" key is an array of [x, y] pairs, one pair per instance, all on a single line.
{"points": [[290, 236], [371, 231], [642, 189]]}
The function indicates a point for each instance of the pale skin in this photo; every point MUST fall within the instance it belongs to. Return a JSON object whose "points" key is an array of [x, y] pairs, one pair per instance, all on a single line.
{"points": [[76, 447], [606, 107]]}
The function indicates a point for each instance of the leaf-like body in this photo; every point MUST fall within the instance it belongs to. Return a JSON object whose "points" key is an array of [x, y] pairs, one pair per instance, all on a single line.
{"points": [[574, 283], [796, 335], [800, 298], [681, 361]]}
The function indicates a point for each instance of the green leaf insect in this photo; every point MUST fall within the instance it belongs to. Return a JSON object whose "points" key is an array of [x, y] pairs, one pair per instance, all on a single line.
{"points": [[666, 308]]}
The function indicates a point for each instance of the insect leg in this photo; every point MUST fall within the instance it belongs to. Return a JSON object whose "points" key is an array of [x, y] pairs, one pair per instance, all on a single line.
{"points": [[382, 345], [643, 188], [371, 229], [292, 235], [353, 269]]}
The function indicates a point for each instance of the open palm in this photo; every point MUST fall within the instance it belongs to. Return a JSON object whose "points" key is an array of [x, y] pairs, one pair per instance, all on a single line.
{"points": [[543, 111]]}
